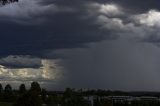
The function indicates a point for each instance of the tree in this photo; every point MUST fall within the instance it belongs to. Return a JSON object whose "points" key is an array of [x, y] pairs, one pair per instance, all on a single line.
{"points": [[68, 92], [44, 95], [22, 89], [8, 93], [1, 89], [8, 89], [30, 98], [35, 87], [73, 98]]}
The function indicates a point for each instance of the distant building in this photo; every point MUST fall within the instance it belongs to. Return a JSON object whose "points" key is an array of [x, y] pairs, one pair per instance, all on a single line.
{"points": [[148, 98], [121, 99]]}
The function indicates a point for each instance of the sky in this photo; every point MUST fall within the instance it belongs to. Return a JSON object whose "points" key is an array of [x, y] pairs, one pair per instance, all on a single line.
{"points": [[89, 44]]}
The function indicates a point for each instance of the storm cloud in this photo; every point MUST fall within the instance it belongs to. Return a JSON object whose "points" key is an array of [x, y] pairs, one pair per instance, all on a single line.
{"points": [[40, 27], [83, 44]]}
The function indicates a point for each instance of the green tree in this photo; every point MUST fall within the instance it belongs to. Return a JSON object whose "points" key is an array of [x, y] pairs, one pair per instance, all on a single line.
{"points": [[30, 98], [73, 98], [35, 87], [1, 89], [8, 93], [22, 89], [8, 89], [44, 95]]}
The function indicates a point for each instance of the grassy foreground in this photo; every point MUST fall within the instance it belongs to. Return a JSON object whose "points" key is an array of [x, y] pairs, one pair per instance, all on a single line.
{"points": [[5, 104]]}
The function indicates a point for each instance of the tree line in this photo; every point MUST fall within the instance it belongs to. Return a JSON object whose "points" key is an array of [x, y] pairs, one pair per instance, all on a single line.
{"points": [[37, 96], [23, 97]]}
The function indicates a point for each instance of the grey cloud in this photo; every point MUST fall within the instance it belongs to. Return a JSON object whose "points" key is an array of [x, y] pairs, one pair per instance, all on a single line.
{"points": [[93, 23], [29, 11], [65, 30], [48, 72], [118, 65], [140, 27], [21, 62]]}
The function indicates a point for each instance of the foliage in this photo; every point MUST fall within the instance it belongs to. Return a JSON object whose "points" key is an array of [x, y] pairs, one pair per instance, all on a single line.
{"points": [[35, 87], [22, 89], [37, 96], [29, 99], [5, 104]]}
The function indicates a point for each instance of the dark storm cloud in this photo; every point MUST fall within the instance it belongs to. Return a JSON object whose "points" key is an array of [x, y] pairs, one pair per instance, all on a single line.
{"points": [[98, 43], [138, 5], [135, 6], [56, 24], [34, 40], [21, 62], [116, 64], [123, 63], [35, 29], [61, 30]]}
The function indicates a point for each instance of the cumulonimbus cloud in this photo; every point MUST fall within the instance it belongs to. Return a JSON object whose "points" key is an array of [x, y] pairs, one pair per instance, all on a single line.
{"points": [[28, 11], [49, 71], [112, 18], [21, 61], [151, 18]]}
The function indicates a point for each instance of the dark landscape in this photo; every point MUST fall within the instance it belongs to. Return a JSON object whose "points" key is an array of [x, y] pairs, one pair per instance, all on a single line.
{"points": [[37, 96]]}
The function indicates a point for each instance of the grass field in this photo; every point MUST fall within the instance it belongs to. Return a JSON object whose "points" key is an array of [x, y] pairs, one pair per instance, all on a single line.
{"points": [[5, 104]]}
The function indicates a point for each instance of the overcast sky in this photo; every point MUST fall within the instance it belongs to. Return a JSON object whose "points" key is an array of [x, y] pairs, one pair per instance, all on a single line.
{"points": [[91, 44]]}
